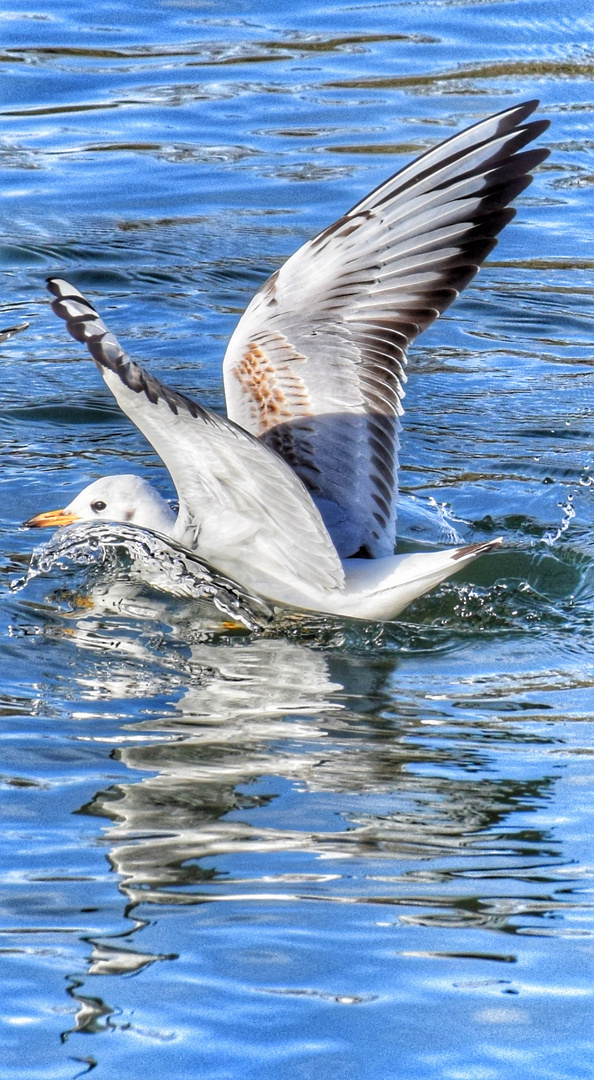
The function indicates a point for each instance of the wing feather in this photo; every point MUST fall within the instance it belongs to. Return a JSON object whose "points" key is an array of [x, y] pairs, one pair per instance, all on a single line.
{"points": [[242, 508], [315, 368]]}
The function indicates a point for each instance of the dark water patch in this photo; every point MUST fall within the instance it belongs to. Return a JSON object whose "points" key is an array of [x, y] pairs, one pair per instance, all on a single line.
{"points": [[61, 414], [527, 69]]}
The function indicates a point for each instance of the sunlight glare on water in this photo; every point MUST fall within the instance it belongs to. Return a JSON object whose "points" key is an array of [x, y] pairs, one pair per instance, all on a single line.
{"points": [[235, 846]]}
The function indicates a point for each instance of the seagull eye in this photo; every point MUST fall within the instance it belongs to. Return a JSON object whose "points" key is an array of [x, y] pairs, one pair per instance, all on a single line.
{"points": [[97, 506]]}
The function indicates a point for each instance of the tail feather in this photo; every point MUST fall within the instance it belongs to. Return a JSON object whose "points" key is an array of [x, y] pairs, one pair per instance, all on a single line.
{"points": [[382, 588]]}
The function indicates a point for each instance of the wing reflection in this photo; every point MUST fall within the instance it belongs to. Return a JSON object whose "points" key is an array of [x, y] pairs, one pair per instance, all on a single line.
{"points": [[265, 724], [251, 710]]}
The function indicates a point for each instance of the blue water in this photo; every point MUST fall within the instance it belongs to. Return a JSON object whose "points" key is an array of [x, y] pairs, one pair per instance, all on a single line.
{"points": [[335, 850]]}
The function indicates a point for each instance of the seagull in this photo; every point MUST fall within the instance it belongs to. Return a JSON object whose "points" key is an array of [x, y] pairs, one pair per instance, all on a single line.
{"points": [[294, 493]]}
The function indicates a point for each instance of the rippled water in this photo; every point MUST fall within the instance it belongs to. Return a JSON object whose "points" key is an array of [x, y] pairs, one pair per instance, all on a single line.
{"points": [[321, 848]]}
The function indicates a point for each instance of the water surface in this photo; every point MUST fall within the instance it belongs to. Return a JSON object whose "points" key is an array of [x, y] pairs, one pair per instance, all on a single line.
{"points": [[325, 849]]}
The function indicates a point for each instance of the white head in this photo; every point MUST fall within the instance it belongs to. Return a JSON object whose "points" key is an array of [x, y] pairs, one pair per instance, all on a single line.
{"points": [[125, 498]]}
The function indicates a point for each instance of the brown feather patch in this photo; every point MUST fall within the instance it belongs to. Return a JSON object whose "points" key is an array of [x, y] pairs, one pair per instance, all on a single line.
{"points": [[271, 403]]}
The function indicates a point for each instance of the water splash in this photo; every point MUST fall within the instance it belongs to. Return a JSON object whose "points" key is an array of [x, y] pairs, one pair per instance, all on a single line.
{"points": [[568, 509], [150, 559], [427, 520]]}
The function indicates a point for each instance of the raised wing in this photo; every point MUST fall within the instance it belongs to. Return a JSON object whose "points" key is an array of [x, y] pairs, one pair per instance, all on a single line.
{"points": [[315, 367], [241, 507]]}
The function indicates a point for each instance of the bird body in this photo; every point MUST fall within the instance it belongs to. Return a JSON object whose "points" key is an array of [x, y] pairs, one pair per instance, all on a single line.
{"points": [[372, 588], [294, 494]]}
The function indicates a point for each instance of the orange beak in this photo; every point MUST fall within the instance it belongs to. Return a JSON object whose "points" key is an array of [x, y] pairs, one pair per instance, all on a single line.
{"points": [[54, 519]]}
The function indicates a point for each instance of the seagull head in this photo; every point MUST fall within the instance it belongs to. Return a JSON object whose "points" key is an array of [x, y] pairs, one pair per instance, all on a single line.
{"points": [[124, 498]]}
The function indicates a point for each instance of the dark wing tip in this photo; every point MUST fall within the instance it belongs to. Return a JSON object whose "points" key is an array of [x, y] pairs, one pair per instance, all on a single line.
{"points": [[84, 324], [58, 286], [514, 115], [477, 549]]}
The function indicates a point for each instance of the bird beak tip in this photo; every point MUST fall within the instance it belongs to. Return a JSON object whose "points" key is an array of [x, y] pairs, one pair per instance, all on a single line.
{"points": [[53, 519]]}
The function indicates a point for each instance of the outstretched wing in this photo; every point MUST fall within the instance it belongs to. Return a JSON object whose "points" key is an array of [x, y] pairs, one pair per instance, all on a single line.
{"points": [[315, 367], [241, 507]]}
